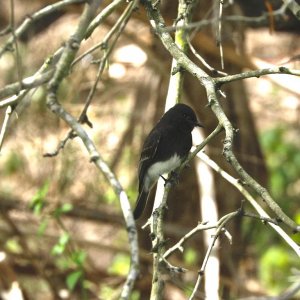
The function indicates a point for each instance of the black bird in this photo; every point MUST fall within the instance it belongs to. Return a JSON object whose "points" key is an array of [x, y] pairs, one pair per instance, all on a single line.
{"points": [[164, 149]]}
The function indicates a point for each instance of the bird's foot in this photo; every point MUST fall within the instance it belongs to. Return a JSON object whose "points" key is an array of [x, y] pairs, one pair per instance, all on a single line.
{"points": [[172, 179]]}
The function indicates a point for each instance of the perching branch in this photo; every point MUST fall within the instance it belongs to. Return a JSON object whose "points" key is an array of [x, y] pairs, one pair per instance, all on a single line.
{"points": [[174, 95], [156, 226], [156, 221]]}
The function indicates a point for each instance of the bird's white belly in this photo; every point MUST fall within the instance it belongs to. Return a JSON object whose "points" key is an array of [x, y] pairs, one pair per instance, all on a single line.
{"points": [[160, 168]]}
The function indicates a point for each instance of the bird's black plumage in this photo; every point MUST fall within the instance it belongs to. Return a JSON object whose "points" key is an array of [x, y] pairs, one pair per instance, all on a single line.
{"points": [[164, 149]]}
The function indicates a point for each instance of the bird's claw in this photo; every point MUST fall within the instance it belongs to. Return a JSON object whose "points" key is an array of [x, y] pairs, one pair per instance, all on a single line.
{"points": [[172, 179]]}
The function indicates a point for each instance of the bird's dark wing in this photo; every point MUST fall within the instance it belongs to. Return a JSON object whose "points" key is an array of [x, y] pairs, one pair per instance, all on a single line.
{"points": [[148, 152]]}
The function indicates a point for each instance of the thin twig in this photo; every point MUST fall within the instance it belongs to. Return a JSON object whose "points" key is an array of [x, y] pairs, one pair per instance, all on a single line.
{"points": [[110, 8], [34, 17], [14, 99], [238, 185], [219, 33], [17, 53], [8, 113], [278, 14], [42, 76], [256, 73], [26, 83], [220, 227], [261, 218], [61, 145], [104, 42], [203, 61], [179, 245], [117, 29]]}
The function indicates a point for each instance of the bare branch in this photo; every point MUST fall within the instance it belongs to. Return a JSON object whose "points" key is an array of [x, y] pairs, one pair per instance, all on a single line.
{"points": [[62, 69], [61, 145], [12, 26], [26, 83], [179, 245], [219, 34], [294, 7], [102, 16], [220, 228], [8, 113], [114, 32], [261, 218], [256, 73], [203, 61], [262, 20], [117, 31], [241, 187], [36, 16], [42, 76], [289, 293]]}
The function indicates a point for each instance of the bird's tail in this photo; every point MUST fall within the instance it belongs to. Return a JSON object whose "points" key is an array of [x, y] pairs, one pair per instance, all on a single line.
{"points": [[140, 204]]}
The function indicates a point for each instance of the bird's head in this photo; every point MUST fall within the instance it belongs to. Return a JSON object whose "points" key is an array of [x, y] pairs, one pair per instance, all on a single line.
{"points": [[184, 116]]}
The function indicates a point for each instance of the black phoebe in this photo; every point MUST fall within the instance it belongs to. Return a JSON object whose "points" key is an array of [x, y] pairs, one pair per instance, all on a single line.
{"points": [[164, 149]]}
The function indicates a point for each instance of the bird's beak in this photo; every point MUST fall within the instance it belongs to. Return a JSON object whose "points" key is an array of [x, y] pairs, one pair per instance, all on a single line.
{"points": [[199, 124]]}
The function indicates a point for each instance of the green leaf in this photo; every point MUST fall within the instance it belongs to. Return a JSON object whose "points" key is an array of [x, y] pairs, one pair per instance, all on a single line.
{"points": [[109, 196], [13, 246], [275, 264], [60, 246], [190, 256], [42, 227], [38, 200], [78, 257], [13, 164], [64, 208], [73, 278]]}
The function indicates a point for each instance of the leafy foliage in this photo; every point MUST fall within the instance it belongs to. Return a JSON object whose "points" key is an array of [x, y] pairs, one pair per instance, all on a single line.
{"points": [[283, 160]]}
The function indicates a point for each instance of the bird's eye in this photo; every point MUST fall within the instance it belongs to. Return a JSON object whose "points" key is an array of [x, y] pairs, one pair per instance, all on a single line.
{"points": [[186, 116]]}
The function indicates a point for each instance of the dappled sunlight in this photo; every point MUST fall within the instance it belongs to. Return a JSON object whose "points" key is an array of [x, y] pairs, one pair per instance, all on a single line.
{"points": [[66, 229]]}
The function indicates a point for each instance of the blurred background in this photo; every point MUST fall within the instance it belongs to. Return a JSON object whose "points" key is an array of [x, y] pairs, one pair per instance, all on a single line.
{"points": [[62, 235]]}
